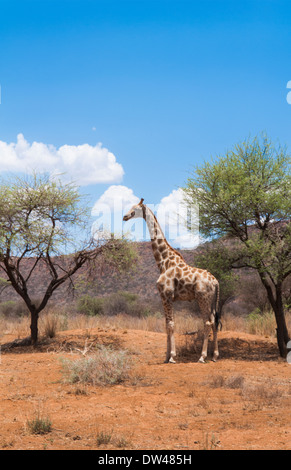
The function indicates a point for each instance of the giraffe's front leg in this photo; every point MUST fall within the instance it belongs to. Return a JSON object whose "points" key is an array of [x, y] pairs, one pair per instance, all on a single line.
{"points": [[171, 347]]}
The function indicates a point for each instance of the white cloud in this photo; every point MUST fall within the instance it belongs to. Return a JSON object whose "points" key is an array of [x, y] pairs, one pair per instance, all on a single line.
{"points": [[174, 215], [84, 164], [171, 213], [116, 198], [110, 208]]}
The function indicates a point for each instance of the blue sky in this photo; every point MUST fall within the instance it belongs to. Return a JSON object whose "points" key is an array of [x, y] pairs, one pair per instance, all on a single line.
{"points": [[163, 85]]}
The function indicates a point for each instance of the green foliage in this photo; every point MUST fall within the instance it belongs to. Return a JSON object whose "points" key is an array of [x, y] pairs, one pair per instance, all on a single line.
{"points": [[217, 259], [39, 424], [125, 302], [39, 214], [113, 304], [250, 185], [121, 254], [90, 305], [246, 195]]}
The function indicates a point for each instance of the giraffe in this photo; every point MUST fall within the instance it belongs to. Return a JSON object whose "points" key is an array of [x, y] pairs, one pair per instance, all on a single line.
{"points": [[179, 281]]}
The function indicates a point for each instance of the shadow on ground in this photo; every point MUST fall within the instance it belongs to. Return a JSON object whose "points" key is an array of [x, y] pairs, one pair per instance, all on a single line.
{"points": [[229, 348], [62, 344]]}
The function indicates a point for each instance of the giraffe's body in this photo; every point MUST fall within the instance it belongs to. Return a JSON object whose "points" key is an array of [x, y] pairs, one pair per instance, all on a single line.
{"points": [[179, 281]]}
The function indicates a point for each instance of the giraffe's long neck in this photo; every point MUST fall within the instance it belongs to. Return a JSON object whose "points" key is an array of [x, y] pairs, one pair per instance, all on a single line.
{"points": [[163, 252]]}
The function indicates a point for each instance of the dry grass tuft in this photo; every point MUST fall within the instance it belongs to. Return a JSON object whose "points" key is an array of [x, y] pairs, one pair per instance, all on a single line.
{"points": [[103, 367]]}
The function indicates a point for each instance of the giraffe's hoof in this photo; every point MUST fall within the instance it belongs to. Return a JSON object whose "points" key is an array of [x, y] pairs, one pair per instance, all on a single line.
{"points": [[215, 357], [201, 360], [171, 361]]}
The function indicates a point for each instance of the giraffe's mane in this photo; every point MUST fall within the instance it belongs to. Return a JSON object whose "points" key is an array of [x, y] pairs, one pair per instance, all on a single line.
{"points": [[176, 251], [168, 244]]}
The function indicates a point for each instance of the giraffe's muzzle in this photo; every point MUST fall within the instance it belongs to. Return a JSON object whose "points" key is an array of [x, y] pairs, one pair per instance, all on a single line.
{"points": [[128, 216]]}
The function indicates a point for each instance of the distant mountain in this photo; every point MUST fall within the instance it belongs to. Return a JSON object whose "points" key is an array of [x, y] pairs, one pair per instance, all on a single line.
{"points": [[141, 280]]}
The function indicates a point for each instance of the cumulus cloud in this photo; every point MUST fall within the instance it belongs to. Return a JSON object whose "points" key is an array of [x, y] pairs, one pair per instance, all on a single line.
{"points": [[84, 164], [175, 216], [116, 197], [171, 212], [109, 210]]}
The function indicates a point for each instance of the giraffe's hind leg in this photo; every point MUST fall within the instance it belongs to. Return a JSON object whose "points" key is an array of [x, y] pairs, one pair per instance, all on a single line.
{"points": [[215, 342], [208, 318], [208, 309], [207, 329]]}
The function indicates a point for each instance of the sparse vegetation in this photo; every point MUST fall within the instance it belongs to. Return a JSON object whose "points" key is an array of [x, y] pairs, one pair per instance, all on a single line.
{"points": [[117, 303], [12, 308], [240, 404], [267, 393], [39, 424], [103, 437], [50, 324], [90, 305], [55, 320], [103, 367], [210, 442], [261, 323]]}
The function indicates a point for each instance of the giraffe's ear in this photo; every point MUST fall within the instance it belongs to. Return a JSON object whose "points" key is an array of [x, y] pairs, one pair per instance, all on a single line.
{"points": [[141, 202]]}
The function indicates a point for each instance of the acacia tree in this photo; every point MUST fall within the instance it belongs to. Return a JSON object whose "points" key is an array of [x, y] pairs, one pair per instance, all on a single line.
{"points": [[246, 195], [215, 258], [45, 220]]}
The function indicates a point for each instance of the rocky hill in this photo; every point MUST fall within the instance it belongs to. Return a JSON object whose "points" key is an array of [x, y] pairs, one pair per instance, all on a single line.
{"points": [[141, 280]]}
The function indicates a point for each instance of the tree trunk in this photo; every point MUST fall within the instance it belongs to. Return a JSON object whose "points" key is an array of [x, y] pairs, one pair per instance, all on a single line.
{"points": [[282, 331], [34, 325], [274, 293]]}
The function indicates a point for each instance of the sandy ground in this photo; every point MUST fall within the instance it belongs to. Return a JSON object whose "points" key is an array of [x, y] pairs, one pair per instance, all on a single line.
{"points": [[240, 402]]}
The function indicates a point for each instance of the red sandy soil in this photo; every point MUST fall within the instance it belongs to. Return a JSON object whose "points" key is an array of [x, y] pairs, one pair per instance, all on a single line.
{"points": [[240, 402]]}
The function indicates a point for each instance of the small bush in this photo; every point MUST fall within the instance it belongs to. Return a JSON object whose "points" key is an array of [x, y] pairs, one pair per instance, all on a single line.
{"points": [[235, 382], [90, 305], [104, 367], [216, 381], [119, 302], [39, 424], [125, 302], [266, 392], [10, 308], [115, 304], [103, 437]]}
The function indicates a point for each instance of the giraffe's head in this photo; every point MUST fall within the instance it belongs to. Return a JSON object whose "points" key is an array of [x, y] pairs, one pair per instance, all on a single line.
{"points": [[136, 211]]}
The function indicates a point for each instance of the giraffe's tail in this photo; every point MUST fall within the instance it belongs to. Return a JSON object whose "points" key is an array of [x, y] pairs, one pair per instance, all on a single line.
{"points": [[217, 308]]}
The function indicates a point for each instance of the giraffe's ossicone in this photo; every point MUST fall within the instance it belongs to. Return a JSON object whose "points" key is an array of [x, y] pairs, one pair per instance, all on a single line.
{"points": [[179, 281]]}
